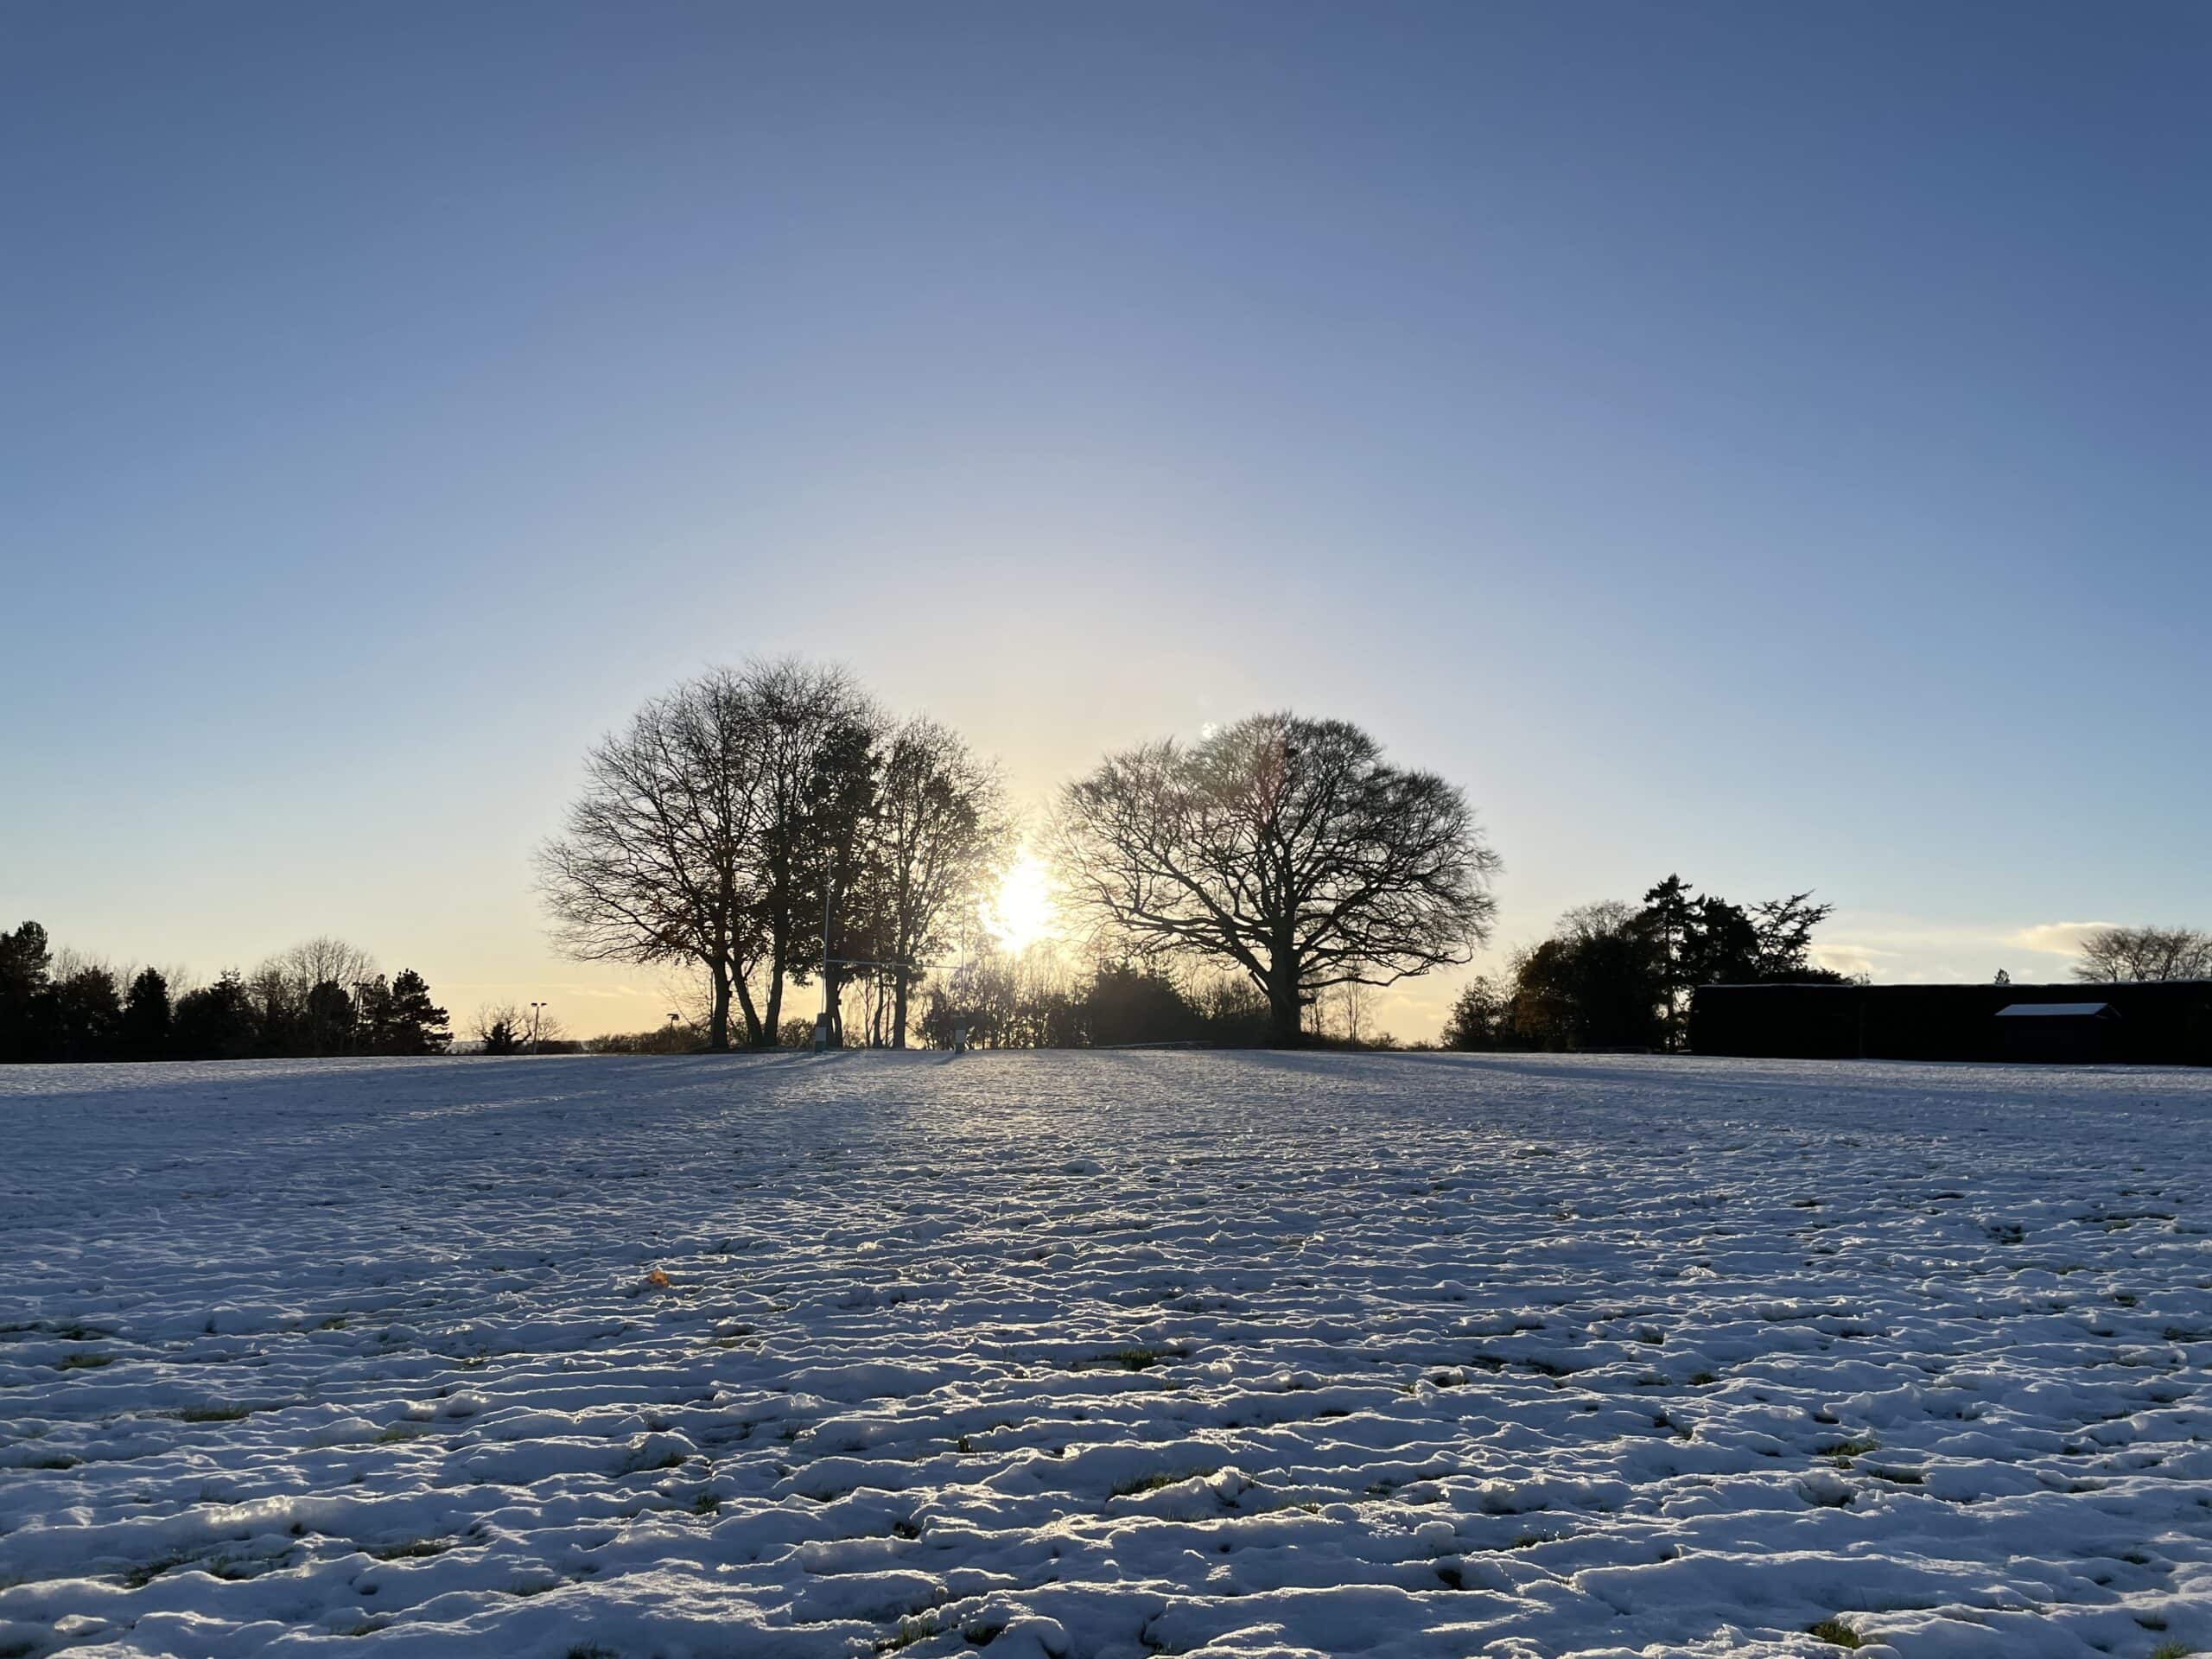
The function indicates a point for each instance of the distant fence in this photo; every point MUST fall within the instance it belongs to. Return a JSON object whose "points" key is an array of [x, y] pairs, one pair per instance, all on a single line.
{"points": [[2148, 1024]]}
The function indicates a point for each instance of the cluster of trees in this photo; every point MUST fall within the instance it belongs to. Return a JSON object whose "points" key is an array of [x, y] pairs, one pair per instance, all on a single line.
{"points": [[1030, 1000], [770, 824], [677, 1037], [765, 824], [321, 997], [1619, 975], [506, 1028], [1034, 998]]}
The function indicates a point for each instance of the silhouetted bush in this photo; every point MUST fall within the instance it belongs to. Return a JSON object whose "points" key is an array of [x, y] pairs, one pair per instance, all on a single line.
{"points": [[673, 1038]]}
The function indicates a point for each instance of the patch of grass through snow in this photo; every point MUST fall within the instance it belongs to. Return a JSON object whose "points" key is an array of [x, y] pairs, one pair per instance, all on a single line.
{"points": [[1129, 1359], [1154, 1482], [139, 1577], [1835, 1630], [414, 1550], [910, 1631]]}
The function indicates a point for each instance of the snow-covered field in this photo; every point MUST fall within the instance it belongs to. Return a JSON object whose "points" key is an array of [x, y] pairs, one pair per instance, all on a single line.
{"points": [[1106, 1354]]}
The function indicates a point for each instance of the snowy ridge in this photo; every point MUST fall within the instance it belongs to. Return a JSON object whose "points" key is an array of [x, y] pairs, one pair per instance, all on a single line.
{"points": [[1104, 1355]]}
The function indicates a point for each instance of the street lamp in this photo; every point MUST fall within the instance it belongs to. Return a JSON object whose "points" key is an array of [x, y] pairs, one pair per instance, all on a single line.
{"points": [[537, 1015], [822, 1019]]}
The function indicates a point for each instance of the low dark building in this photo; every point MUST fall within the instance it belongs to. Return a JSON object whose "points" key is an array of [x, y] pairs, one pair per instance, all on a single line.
{"points": [[2167, 1023], [2057, 1033]]}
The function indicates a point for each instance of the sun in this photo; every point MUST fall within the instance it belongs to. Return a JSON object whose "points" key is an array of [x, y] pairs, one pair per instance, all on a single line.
{"points": [[1021, 911]]}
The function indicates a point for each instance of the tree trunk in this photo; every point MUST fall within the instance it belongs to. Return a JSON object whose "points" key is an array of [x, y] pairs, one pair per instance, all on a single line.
{"points": [[752, 1015], [718, 1020], [771, 1030], [898, 1011], [1285, 1009]]}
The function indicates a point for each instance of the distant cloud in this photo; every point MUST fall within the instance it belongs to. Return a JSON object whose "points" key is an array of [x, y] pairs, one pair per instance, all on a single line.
{"points": [[1850, 959], [1896, 949], [2059, 939]]}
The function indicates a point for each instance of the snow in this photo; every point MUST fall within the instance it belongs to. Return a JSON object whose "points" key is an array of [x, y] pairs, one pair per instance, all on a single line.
{"points": [[1104, 1355], [2053, 1010]]}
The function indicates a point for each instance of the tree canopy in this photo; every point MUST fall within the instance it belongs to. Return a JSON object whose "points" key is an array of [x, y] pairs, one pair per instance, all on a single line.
{"points": [[1284, 847]]}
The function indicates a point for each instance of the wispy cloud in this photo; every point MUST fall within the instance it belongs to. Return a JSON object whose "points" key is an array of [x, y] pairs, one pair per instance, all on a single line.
{"points": [[2059, 939], [1913, 948]]}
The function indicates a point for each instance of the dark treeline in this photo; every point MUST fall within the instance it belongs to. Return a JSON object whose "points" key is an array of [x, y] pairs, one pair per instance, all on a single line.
{"points": [[321, 997], [1006, 1002], [1028, 1000], [1619, 975]]}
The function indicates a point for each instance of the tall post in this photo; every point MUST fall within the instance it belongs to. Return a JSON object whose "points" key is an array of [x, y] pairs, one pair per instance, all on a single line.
{"points": [[822, 1019]]}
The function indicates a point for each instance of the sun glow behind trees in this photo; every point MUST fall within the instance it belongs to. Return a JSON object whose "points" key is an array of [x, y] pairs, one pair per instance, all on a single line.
{"points": [[1023, 910]]}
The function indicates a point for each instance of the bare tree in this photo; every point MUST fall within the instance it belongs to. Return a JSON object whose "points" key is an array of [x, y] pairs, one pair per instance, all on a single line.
{"points": [[2140, 953], [511, 1028], [322, 961], [659, 862], [1284, 846], [1352, 999], [305, 995], [942, 836]]}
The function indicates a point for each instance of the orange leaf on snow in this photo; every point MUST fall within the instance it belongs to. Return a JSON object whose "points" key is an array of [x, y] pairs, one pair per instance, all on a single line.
{"points": [[657, 1277]]}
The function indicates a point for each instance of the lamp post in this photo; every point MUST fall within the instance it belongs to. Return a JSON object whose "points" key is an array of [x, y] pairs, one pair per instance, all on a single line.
{"points": [[822, 1019], [537, 1021]]}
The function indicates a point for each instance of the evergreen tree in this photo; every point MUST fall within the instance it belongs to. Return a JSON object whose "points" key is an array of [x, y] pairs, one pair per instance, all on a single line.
{"points": [[85, 1017], [1784, 929], [1704, 940], [1669, 920], [216, 1022], [146, 1017], [399, 1018], [326, 1018], [24, 960], [1478, 1016]]}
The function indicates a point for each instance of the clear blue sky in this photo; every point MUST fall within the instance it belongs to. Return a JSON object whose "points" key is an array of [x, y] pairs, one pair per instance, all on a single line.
{"points": [[1764, 442]]}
